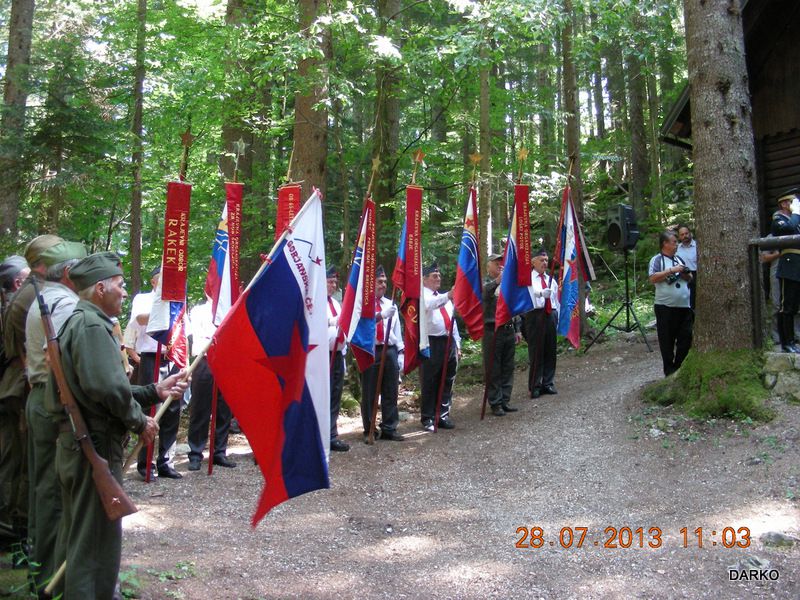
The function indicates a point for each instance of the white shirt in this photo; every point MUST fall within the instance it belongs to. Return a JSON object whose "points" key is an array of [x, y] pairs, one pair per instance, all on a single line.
{"points": [[201, 327], [536, 287], [436, 326], [142, 304], [688, 254], [396, 334], [333, 330]]}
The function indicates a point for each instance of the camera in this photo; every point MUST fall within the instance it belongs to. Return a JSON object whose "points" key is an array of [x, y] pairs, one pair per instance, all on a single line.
{"points": [[676, 276]]}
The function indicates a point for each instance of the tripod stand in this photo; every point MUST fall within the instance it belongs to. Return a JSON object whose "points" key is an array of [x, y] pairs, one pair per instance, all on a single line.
{"points": [[628, 306]]}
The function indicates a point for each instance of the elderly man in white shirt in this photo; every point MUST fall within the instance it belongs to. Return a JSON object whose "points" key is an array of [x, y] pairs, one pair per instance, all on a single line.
{"points": [[439, 314], [540, 328]]}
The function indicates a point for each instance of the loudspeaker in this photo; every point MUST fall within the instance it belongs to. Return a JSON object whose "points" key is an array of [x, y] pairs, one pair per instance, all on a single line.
{"points": [[623, 232]]}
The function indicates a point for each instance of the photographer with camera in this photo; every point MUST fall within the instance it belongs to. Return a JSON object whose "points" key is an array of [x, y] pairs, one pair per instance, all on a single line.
{"points": [[674, 316]]}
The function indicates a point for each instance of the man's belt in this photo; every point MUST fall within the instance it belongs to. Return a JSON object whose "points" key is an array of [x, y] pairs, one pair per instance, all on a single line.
{"points": [[790, 251]]}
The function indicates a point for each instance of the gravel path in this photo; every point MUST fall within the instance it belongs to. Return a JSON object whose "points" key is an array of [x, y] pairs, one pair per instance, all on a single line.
{"points": [[438, 516]]}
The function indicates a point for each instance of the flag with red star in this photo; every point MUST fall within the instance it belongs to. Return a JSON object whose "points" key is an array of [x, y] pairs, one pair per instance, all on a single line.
{"points": [[468, 292], [270, 359]]}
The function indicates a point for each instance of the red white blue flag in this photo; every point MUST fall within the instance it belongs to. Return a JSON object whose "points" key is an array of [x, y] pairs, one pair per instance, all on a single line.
{"points": [[357, 320], [270, 359], [167, 326], [467, 293], [573, 257], [222, 280], [514, 299]]}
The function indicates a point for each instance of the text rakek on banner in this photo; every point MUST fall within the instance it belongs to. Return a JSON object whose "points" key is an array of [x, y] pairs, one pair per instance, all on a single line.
{"points": [[357, 320], [270, 359], [573, 256], [467, 292], [407, 277], [167, 315]]}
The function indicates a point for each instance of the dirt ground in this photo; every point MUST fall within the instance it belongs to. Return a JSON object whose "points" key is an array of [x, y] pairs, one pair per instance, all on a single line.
{"points": [[441, 515]]}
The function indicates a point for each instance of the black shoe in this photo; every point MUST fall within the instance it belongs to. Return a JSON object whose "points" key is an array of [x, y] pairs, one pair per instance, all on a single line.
{"points": [[234, 428], [497, 411], [549, 389], [224, 461], [168, 472], [790, 349], [446, 423], [508, 408], [143, 473], [339, 446], [427, 424], [392, 436], [536, 393], [194, 464]]}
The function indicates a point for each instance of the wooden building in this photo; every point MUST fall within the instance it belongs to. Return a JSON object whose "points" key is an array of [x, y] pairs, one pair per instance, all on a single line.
{"points": [[772, 48]]}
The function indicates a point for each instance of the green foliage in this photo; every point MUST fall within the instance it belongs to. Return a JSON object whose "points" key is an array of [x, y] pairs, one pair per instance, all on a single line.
{"points": [[715, 384]]}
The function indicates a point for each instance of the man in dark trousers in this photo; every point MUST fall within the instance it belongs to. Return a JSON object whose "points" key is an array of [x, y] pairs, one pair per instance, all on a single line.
{"points": [[674, 316], [540, 329], [110, 406], [337, 348], [439, 315], [201, 324], [147, 347], [498, 346], [786, 221], [384, 310]]}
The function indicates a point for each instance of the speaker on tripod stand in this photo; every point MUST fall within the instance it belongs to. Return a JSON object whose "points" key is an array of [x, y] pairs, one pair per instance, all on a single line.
{"points": [[622, 234]]}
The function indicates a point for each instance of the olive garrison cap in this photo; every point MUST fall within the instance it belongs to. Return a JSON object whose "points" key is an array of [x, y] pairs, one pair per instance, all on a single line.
{"points": [[492, 257], [62, 251], [10, 268], [35, 248], [94, 268]]}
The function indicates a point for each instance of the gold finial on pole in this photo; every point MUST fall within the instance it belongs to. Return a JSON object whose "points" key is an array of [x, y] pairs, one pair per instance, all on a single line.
{"points": [[475, 159], [239, 148], [376, 165], [186, 140], [417, 156], [522, 154]]}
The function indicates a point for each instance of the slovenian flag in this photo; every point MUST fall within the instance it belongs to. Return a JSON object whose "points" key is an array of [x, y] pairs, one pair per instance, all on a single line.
{"points": [[357, 320], [270, 359], [467, 293], [514, 299], [573, 256], [219, 269]]}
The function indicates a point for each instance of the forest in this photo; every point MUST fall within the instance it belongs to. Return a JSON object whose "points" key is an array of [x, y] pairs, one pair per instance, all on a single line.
{"points": [[319, 92]]}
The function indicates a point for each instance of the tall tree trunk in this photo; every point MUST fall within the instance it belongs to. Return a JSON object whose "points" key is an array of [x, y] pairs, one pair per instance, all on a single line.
{"points": [[439, 135], [485, 137], [387, 127], [12, 124], [135, 239], [640, 164], [546, 96], [310, 115], [597, 86], [617, 102], [573, 125], [657, 197], [725, 190]]}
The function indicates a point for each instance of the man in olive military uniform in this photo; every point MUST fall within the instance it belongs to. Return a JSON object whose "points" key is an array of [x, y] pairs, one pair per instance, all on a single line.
{"points": [[90, 543], [498, 346], [14, 392], [44, 501], [785, 221]]}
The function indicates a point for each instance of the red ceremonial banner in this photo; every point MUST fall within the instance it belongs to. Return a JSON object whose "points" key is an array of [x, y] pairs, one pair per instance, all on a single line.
{"points": [[368, 264], [413, 262], [176, 242], [522, 206], [288, 205], [233, 198]]}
